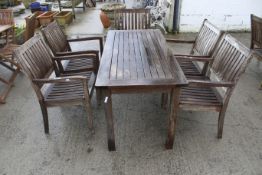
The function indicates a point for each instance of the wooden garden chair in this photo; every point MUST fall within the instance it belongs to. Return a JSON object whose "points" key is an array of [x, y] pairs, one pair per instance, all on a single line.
{"points": [[7, 18], [6, 54], [132, 19], [65, 88], [203, 45], [230, 59], [256, 38], [60, 45]]}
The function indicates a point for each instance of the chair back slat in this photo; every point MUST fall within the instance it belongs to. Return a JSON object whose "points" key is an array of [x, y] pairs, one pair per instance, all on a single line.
{"points": [[55, 37], [30, 26], [256, 31], [207, 38], [35, 58], [6, 17], [230, 59], [132, 19]]}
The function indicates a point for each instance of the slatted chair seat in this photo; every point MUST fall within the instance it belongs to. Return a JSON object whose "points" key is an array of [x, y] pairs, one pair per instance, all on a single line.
{"points": [[230, 59], [60, 45], [194, 96], [203, 45], [61, 87]]}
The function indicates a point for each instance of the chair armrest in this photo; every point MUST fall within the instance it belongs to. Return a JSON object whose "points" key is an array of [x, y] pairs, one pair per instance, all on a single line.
{"points": [[71, 57], [194, 58], [180, 41], [203, 83], [77, 52], [60, 79], [100, 39]]}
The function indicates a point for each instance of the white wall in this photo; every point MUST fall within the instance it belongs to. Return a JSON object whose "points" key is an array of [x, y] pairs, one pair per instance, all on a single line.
{"points": [[226, 14]]}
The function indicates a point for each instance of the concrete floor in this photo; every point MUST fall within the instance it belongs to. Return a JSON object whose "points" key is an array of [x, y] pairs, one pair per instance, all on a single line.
{"points": [[140, 129]]}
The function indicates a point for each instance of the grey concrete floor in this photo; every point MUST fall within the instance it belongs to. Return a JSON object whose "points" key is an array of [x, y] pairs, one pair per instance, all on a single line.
{"points": [[140, 129]]}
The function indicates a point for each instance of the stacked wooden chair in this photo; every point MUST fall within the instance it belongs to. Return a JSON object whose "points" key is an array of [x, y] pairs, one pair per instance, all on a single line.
{"points": [[6, 53], [66, 87], [228, 61], [6, 61], [203, 46], [132, 19], [60, 46], [256, 36]]}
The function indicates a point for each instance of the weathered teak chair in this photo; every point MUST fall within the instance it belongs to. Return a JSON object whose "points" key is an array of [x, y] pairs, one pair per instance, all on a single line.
{"points": [[30, 26], [203, 45], [256, 36], [59, 44], [7, 18], [37, 62], [130, 19], [230, 59], [7, 64]]}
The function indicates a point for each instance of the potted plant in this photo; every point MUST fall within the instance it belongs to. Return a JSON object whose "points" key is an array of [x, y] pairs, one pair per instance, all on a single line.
{"points": [[19, 34]]}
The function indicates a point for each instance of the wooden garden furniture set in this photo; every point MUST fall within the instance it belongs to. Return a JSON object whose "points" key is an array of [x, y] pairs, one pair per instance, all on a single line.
{"points": [[134, 61]]}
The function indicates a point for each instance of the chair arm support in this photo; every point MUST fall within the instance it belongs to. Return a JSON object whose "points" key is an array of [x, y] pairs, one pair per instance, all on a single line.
{"points": [[179, 41], [100, 39], [70, 57], [195, 58], [201, 83], [60, 79], [77, 52]]}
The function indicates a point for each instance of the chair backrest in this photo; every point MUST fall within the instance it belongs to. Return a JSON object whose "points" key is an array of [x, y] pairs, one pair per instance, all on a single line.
{"points": [[35, 58], [256, 31], [128, 19], [30, 26], [6, 17], [55, 37], [206, 39], [230, 59]]}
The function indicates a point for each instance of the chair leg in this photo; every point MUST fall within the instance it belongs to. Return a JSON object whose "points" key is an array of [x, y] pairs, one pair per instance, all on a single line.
{"points": [[98, 96], [164, 99], [221, 123], [45, 117], [90, 114]]}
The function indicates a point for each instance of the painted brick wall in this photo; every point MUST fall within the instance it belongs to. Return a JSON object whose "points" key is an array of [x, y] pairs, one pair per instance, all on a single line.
{"points": [[226, 14]]}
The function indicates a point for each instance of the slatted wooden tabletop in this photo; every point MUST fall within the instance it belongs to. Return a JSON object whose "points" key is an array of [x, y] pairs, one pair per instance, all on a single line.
{"points": [[137, 58], [4, 28]]}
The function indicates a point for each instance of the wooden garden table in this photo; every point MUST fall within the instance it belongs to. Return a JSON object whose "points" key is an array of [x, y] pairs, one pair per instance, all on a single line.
{"points": [[136, 61], [5, 29]]}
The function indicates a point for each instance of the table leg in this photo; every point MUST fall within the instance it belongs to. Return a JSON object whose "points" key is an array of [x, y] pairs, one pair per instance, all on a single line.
{"points": [[174, 102], [110, 121]]}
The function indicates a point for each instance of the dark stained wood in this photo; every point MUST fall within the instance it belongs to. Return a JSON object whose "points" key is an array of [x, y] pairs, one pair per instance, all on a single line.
{"points": [[30, 26], [131, 19], [8, 83], [60, 46], [70, 87], [204, 44], [230, 59], [135, 61]]}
